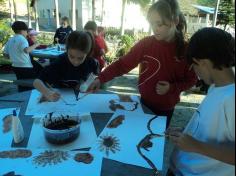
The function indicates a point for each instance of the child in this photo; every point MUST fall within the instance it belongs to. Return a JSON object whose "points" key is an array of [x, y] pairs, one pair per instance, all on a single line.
{"points": [[207, 145], [62, 32], [18, 49], [75, 64], [163, 70], [100, 47], [32, 39]]}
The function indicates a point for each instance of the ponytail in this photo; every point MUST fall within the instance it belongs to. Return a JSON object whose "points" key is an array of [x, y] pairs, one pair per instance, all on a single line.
{"points": [[180, 36]]}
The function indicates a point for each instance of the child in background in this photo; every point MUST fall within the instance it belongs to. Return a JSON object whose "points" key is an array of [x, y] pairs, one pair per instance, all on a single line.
{"points": [[18, 49], [32, 39], [164, 72], [62, 32], [207, 145], [75, 65], [100, 48]]}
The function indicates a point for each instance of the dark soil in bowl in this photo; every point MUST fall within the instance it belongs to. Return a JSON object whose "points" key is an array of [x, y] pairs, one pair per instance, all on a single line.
{"points": [[62, 124]]}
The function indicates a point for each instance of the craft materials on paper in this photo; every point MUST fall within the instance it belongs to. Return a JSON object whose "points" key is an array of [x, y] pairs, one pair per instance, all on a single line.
{"points": [[109, 143], [96, 103], [6, 134], [146, 144], [50, 157], [13, 154], [50, 163], [87, 134], [7, 123], [130, 133], [116, 122], [85, 158]]}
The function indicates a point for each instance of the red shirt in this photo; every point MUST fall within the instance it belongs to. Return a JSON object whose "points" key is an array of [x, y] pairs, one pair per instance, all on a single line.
{"points": [[30, 41], [158, 62], [99, 48]]}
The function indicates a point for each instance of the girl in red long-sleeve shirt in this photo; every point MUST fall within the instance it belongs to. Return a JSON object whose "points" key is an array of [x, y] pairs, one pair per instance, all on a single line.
{"points": [[164, 72]]}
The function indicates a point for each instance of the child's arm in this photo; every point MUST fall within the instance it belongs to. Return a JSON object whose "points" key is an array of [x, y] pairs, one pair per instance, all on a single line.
{"points": [[188, 79], [46, 92], [221, 152], [31, 48]]}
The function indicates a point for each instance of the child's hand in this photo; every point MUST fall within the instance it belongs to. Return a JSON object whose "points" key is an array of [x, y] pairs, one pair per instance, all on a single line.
{"points": [[56, 40], [183, 141], [37, 45], [52, 96], [162, 87], [94, 86]]}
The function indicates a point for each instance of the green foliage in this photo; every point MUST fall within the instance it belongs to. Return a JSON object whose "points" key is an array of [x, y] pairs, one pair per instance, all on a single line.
{"points": [[112, 32], [226, 13], [187, 8], [210, 3], [5, 32], [4, 61], [125, 44], [45, 38]]}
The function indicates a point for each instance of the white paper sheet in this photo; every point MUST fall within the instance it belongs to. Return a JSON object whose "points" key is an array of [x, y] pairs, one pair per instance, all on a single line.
{"points": [[6, 138], [69, 167], [96, 103], [86, 138], [130, 133]]}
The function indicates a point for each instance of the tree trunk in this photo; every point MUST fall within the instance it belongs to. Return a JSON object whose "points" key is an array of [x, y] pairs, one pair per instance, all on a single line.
{"points": [[122, 30], [150, 27], [11, 12], [57, 13], [36, 16], [29, 16], [102, 15], [73, 14], [15, 10], [216, 13], [93, 10]]}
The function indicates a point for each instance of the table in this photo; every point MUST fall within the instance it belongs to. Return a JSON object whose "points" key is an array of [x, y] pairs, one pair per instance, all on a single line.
{"points": [[109, 167], [48, 53]]}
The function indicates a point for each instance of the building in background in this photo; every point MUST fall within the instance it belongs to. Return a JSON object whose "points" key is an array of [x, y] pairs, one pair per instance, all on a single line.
{"points": [[47, 12]]}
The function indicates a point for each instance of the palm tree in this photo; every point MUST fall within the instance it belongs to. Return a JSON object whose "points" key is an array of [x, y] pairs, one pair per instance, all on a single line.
{"points": [[15, 10], [29, 16], [57, 13], [143, 4], [93, 10], [33, 4], [10, 8], [102, 15]]}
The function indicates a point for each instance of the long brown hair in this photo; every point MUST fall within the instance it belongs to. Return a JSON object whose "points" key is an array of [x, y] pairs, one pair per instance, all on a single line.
{"points": [[169, 11]]}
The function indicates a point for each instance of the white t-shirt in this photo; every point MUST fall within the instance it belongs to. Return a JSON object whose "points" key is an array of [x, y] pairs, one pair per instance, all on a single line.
{"points": [[15, 49], [213, 123]]}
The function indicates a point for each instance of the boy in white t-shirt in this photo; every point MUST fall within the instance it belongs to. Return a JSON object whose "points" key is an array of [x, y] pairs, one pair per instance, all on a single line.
{"points": [[207, 145], [18, 49]]}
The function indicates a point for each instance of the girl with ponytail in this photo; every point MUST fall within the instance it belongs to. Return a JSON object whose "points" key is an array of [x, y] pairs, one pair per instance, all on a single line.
{"points": [[164, 73]]}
